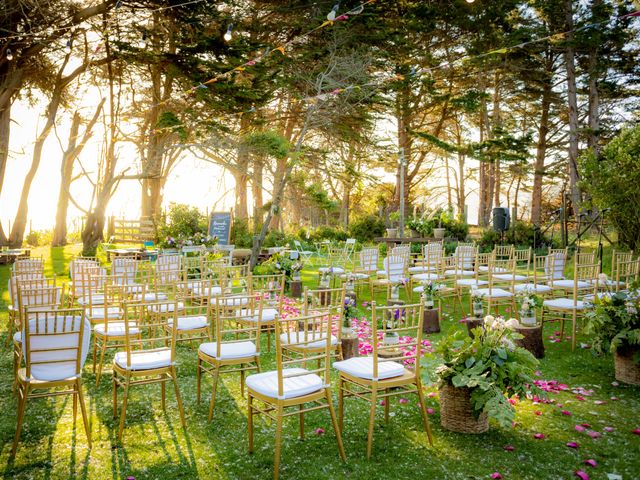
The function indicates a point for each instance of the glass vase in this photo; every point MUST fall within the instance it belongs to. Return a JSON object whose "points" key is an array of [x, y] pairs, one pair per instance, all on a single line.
{"points": [[528, 317], [478, 309]]}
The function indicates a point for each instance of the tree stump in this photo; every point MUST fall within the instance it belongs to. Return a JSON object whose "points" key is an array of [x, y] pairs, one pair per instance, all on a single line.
{"points": [[296, 288], [430, 321], [473, 322], [350, 347], [531, 340]]}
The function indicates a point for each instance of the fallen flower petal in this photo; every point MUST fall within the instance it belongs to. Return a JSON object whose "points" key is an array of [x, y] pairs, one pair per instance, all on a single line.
{"points": [[319, 431], [591, 462], [509, 448], [593, 434], [537, 412], [496, 475], [581, 475], [609, 429], [566, 412], [430, 411], [538, 436], [580, 428], [585, 425], [573, 445], [403, 400], [636, 431]]}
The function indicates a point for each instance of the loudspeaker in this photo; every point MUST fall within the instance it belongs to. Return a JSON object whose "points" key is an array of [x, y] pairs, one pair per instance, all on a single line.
{"points": [[501, 219]]}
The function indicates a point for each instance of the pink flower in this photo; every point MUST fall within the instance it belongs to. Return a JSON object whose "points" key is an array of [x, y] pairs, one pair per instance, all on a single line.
{"points": [[593, 434], [591, 462], [509, 448], [609, 429], [382, 402], [496, 475], [513, 401], [431, 394], [599, 402], [580, 397], [537, 412], [573, 445], [319, 431], [566, 412], [636, 431], [585, 425], [430, 411], [580, 428], [538, 436], [403, 400], [613, 399], [581, 475]]}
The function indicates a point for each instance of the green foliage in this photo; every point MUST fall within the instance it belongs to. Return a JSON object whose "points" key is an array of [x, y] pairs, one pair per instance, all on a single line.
{"points": [[36, 238], [278, 263], [181, 223], [491, 366], [327, 233], [613, 179], [615, 321], [240, 236], [365, 229], [170, 123], [266, 144], [520, 233]]}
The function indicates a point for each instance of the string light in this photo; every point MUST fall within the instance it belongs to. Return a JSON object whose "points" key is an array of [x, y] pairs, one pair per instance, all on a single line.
{"points": [[331, 16], [9, 55], [227, 36]]}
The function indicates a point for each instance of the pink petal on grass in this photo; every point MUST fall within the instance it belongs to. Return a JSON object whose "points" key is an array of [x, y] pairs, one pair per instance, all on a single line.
{"points": [[537, 412], [581, 475], [566, 412], [599, 402], [382, 402], [580, 428], [614, 399], [509, 448], [580, 397], [591, 462], [573, 445], [593, 434], [431, 394], [615, 384], [585, 425], [538, 436], [319, 431], [430, 411], [496, 475], [608, 429], [403, 400], [636, 431]]}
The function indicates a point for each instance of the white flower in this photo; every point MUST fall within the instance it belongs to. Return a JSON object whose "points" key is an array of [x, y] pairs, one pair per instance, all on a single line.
{"points": [[498, 323], [512, 323], [488, 320], [602, 278]]}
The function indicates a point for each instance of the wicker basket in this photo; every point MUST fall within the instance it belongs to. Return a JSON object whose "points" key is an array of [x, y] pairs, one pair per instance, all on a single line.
{"points": [[627, 370], [456, 413]]}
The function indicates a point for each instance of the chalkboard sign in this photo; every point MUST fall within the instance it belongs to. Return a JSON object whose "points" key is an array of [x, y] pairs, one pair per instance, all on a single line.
{"points": [[220, 226]]}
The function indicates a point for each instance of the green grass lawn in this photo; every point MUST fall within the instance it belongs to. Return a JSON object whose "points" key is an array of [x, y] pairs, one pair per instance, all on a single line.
{"points": [[156, 446]]}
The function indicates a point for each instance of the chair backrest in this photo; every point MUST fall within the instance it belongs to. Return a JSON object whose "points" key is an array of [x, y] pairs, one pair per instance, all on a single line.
{"points": [[168, 262], [503, 251], [406, 322], [554, 265], [523, 258], [297, 356], [618, 258], [626, 273], [28, 265], [505, 268], [349, 247], [38, 297], [322, 298], [369, 260], [585, 278], [236, 319], [144, 333], [585, 258], [270, 287], [29, 280], [465, 256], [125, 268], [55, 344], [77, 264], [540, 270], [395, 267]]}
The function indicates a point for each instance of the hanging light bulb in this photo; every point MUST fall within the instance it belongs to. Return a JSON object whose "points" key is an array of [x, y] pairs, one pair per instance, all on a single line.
{"points": [[331, 16], [9, 55], [227, 36], [67, 47]]}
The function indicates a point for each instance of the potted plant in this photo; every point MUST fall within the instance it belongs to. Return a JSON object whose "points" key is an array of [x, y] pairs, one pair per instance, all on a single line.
{"points": [[615, 323], [416, 227], [390, 337], [477, 307], [528, 301], [350, 311], [478, 373], [395, 288], [394, 218]]}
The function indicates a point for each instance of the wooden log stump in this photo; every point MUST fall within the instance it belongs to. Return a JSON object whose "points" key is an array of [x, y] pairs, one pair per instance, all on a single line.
{"points": [[296, 288], [350, 346], [531, 340], [430, 321], [473, 322]]}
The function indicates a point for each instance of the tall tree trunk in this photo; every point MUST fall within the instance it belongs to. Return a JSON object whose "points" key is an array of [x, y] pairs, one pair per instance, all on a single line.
{"points": [[346, 204], [256, 191], [569, 55], [496, 123], [541, 151], [5, 131], [461, 197], [66, 170], [241, 175]]}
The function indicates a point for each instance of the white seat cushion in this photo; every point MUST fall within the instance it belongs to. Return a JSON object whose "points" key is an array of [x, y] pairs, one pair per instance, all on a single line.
{"points": [[17, 337], [600, 295], [267, 383], [460, 273], [423, 277], [165, 307], [508, 276], [208, 292], [471, 282], [570, 283], [191, 323], [336, 270], [141, 360], [269, 314], [229, 350], [297, 337], [150, 297], [97, 299], [419, 269], [115, 329], [564, 304], [494, 292], [537, 288], [362, 367], [99, 313], [355, 276], [382, 273]]}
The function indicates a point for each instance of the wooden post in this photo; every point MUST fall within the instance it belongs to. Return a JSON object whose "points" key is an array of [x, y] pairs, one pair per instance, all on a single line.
{"points": [[296, 288], [531, 340], [430, 321], [350, 347]]}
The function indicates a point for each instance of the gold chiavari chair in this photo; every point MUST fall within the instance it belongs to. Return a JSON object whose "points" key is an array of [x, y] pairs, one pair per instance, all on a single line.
{"points": [[431, 268], [493, 295], [395, 272], [464, 283], [29, 265], [566, 285], [56, 344], [389, 370], [622, 271], [538, 277], [32, 278], [585, 282], [366, 268], [82, 283], [292, 388], [194, 318], [236, 346], [149, 356]]}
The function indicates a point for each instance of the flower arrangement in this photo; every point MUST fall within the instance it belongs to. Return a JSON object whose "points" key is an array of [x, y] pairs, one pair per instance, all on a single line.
{"points": [[528, 301], [392, 321], [615, 321], [325, 277], [198, 238], [278, 264], [490, 366], [350, 311], [431, 291], [477, 306], [395, 288]]}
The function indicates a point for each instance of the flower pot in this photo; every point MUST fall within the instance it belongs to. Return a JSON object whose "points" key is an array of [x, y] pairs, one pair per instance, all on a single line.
{"points": [[439, 233], [626, 368], [456, 413], [392, 232], [528, 318]]}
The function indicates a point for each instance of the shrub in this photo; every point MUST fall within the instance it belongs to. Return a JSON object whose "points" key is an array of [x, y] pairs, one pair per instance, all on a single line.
{"points": [[521, 233], [365, 229], [182, 221], [240, 235], [327, 233]]}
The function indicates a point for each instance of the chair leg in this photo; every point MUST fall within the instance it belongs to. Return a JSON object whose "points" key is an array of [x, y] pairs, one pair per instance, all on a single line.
{"points": [[386, 407], [115, 397], [212, 402], [83, 409], [242, 382], [372, 420], [574, 321], [178, 398], [250, 421], [163, 395], [75, 407], [423, 410], [278, 446], [103, 349], [336, 428], [95, 350], [341, 404], [23, 393], [198, 379], [301, 417], [123, 413]]}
